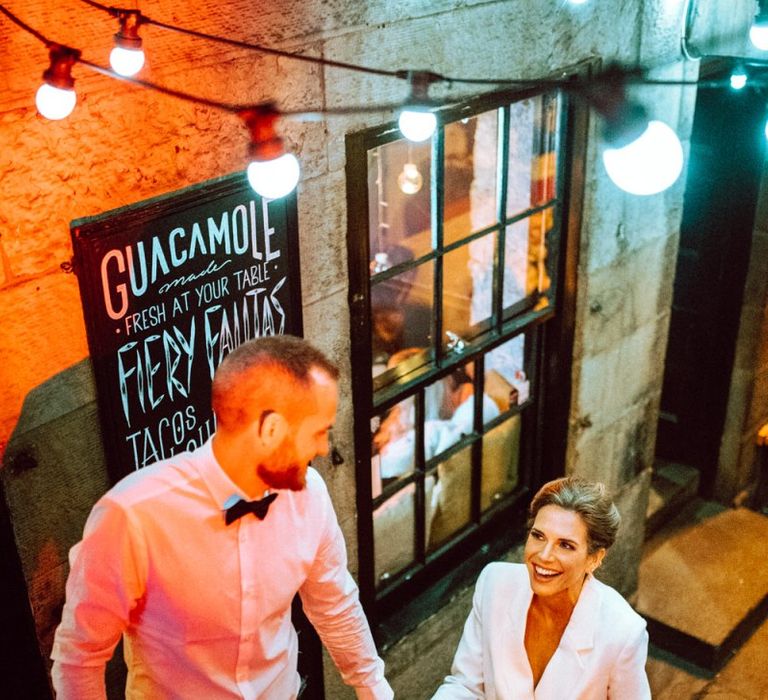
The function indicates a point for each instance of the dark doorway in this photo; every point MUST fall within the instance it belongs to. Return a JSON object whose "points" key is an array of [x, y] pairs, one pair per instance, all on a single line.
{"points": [[726, 163]]}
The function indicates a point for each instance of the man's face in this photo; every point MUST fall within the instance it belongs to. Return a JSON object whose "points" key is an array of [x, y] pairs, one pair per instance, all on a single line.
{"points": [[286, 467]]}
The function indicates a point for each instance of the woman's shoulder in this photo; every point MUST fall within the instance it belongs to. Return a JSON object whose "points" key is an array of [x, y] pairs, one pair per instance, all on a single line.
{"points": [[615, 610], [502, 575]]}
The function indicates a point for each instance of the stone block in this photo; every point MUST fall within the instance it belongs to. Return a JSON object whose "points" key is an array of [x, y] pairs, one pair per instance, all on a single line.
{"points": [[618, 451], [628, 373], [619, 568], [41, 331], [633, 292], [721, 27], [322, 227]]}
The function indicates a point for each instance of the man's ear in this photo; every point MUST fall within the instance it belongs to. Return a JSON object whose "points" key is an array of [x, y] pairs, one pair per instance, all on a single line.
{"points": [[272, 430]]}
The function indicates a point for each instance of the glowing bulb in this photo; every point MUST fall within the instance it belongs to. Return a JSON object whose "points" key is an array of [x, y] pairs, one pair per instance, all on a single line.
{"points": [[409, 180], [649, 164], [766, 130], [577, 2], [758, 35], [417, 126], [126, 62], [53, 102], [738, 79], [274, 178]]}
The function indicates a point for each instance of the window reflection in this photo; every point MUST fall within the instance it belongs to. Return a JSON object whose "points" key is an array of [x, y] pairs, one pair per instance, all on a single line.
{"points": [[501, 452], [506, 381], [532, 167], [469, 196], [401, 314], [398, 203], [449, 413]]}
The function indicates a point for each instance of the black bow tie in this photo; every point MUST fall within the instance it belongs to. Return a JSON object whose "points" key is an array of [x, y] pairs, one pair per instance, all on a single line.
{"points": [[258, 508]]}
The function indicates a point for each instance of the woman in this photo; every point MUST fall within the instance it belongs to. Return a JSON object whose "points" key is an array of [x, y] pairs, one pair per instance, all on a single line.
{"points": [[547, 629]]}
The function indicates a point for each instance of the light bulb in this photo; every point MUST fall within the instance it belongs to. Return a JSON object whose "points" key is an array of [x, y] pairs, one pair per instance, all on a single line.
{"points": [[738, 79], [126, 62], [649, 164], [766, 130], [274, 178], [758, 35], [53, 102], [409, 180], [577, 2], [417, 125]]}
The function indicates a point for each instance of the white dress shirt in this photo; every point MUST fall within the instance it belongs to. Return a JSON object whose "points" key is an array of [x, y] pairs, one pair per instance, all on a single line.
{"points": [[601, 655], [205, 607]]}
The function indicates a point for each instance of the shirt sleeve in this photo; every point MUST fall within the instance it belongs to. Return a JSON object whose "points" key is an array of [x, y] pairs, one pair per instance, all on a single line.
{"points": [[628, 679], [331, 602], [104, 585], [466, 680]]}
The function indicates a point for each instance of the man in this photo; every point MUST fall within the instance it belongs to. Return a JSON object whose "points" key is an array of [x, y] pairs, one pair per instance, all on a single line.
{"points": [[197, 583]]}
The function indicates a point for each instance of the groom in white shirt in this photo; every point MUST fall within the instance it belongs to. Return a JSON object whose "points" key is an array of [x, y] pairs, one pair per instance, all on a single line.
{"points": [[195, 560]]}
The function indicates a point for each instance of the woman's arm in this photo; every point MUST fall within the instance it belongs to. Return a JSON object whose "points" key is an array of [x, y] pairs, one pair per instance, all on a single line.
{"points": [[466, 681], [628, 680]]}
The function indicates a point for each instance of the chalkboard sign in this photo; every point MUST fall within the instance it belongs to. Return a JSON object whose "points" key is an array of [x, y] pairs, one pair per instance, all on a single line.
{"points": [[169, 287]]}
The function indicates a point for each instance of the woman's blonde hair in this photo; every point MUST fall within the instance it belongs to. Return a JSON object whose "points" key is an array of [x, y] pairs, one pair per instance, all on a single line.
{"points": [[590, 499]]}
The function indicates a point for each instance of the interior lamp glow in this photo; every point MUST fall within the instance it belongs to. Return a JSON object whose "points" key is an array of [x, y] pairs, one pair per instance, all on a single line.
{"points": [[56, 98], [410, 180], [649, 164], [272, 173], [738, 79], [127, 58]]}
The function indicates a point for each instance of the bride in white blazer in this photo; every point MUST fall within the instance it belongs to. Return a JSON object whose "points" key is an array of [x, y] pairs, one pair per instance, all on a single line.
{"points": [[547, 629]]}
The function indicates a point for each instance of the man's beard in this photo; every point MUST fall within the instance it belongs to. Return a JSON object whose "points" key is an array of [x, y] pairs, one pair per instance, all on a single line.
{"points": [[283, 470]]}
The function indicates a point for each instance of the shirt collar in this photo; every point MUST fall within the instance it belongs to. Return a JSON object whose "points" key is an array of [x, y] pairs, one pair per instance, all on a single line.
{"points": [[223, 490]]}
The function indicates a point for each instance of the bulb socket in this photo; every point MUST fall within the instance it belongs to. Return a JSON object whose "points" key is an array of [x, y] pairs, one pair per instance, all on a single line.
{"points": [[261, 121], [59, 73]]}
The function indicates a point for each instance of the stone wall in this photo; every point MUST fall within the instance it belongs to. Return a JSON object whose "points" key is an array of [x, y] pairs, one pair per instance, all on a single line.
{"points": [[123, 145]]}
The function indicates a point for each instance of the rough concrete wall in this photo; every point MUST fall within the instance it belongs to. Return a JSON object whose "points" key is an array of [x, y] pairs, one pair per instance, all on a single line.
{"points": [[747, 407], [123, 145]]}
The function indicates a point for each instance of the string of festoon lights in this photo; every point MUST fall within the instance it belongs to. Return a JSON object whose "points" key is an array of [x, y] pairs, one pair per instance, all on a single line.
{"points": [[642, 156]]}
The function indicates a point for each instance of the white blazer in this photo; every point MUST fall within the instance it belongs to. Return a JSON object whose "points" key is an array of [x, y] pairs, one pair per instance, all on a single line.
{"points": [[601, 654]]}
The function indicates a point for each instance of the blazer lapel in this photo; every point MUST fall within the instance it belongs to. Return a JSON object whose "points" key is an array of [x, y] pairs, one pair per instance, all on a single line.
{"points": [[517, 677], [564, 670]]}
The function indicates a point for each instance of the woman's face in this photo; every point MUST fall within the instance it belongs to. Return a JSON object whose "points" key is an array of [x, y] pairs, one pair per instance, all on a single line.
{"points": [[556, 553]]}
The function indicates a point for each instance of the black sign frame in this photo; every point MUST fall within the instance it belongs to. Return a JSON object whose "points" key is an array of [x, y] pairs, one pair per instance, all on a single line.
{"points": [[168, 274]]}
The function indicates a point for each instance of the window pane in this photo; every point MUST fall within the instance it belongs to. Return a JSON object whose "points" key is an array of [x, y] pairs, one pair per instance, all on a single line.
{"points": [[392, 444], [532, 168], [398, 203], [468, 287], [470, 175], [505, 378], [452, 496], [501, 451], [393, 533], [394, 527], [401, 314], [470, 269], [525, 257]]}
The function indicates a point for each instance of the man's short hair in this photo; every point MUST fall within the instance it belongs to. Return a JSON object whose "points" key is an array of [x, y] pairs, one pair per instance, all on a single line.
{"points": [[267, 373]]}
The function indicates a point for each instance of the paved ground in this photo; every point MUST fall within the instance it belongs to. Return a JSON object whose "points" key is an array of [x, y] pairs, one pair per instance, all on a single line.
{"points": [[745, 676]]}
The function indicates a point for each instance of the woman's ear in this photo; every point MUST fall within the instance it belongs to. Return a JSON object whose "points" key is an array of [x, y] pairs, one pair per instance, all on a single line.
{"points": [[273, 429], [597, 559]]}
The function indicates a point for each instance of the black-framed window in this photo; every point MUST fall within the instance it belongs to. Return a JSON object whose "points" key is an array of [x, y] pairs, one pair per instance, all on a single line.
{"points": [[455, 251]]}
